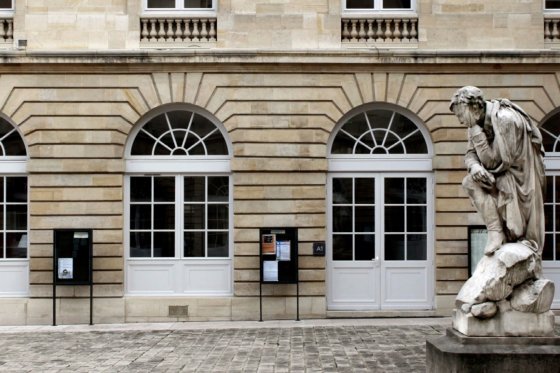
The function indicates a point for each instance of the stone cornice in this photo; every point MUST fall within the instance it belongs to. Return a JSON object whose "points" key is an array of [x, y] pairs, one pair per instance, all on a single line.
{"points": [[340, 57]]}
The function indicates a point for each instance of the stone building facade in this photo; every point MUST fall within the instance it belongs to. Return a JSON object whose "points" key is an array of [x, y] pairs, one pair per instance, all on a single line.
{"points": [[176, 129]]}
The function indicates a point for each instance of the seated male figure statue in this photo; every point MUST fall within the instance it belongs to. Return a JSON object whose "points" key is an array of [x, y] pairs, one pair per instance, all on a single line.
{"points": [[506, 177]]}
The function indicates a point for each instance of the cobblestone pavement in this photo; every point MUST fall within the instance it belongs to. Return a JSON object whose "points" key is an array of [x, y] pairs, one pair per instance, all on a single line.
{"points": [[323, 348]]}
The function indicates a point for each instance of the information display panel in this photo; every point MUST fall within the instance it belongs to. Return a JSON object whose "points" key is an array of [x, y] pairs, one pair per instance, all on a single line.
{"points": [[72, 257], [279, 255]]}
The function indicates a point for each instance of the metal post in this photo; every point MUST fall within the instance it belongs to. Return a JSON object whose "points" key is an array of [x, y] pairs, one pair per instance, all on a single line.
{"points": [[297, 300], [54, 305], [91, 303], [260, 299]]}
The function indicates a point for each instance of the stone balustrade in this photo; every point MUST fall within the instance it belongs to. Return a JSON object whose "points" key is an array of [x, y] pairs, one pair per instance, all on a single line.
{"points": [[397, 31], [177, 31], [6, 30], [551, 29]]}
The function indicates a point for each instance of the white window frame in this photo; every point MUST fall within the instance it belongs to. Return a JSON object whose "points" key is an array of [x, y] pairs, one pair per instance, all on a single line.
{"points": [[549, 10], [179, 8], [8, 11], [15, 166], [178, 268], [378, 8]]}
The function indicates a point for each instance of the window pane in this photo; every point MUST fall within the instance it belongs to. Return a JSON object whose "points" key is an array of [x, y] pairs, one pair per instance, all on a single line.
{"points": [[194, 189], [548, 218], [218, 244], [365, 219], [416, 219], [342, 219], [140, 217], [2, 256], [557, 190], [557, 254], [194, 244], [161, 3], [396, 4], [549, 195], [342, 190], [365, 247], [342, 247], [394, 190], [2, 189], [416, 247], [142, 145], [394, 247], [415, 144], [218, 216], [6, 4], [416, 190], [218, 189], [198, 3], [552, 4], [16, 245], [547, 253], [16, 217], [394, 219], [557, 223], [359, 4], [13, 145], [164, 189], [164, 244], [365, 191], [164, 216], [140, 245], [194, 217], [16, 189], [216, 144], [140, 189]]}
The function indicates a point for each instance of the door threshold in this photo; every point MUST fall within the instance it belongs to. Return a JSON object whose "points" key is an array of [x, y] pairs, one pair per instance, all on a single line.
{"points": [[382, 314]]}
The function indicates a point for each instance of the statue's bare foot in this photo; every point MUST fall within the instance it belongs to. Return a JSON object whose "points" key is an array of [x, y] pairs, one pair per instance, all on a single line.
{"points": [[495, 240]]}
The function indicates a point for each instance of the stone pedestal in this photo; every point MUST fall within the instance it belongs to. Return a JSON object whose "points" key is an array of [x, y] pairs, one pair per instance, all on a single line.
{"points": [[458, 353], [509, 323]]}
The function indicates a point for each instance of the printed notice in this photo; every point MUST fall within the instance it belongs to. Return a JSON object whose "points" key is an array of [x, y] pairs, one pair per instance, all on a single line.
{"points": [[270, 270], [65, 268], [283, 250], [268, 244]]}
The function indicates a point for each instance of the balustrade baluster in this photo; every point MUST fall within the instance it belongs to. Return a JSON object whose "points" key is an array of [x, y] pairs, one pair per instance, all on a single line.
{"points": [[555, 33], [388, 31], [195, 32], [547, 33], [153, 32], [212, 32], [405, 33], [370, 32], [10, 32], [397, 33], [354, 31], [203, 32], [362, 32], [2, 32], [144, 34], [345, 31], [178, 30], [379, 32], [161, 32], [169, 37], [413, 32]]}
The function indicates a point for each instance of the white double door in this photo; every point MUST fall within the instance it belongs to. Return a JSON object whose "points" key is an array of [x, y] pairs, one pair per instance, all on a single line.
{"points": [[380, 243]]}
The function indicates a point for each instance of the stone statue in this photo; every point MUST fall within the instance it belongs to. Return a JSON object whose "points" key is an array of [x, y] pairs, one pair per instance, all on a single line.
{"points": [[506, 295]]}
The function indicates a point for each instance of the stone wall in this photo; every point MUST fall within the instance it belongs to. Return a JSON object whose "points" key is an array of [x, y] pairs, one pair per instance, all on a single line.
{"points": [[279, 119], [278, 25]]}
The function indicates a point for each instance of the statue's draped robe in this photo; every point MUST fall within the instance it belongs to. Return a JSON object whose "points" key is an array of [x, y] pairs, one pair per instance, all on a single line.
{"points": [[510, 147]]}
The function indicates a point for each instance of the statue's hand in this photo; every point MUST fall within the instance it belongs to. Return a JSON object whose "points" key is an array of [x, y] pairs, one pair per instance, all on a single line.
{"points": [[482, 176]]}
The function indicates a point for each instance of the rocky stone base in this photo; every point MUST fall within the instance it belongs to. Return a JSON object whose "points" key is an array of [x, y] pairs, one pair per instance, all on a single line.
{"points": [[507, 323], [458, 353]]}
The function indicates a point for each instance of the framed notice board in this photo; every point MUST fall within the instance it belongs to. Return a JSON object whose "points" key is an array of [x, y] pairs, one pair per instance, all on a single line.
{"points": [[73, 262], [279, 260], [279, 255], [478, 234]]}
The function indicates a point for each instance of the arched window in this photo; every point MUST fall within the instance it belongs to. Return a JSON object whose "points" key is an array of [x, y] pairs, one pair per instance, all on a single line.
{"points": [[179, 204], [380, 214], [14, 266]]}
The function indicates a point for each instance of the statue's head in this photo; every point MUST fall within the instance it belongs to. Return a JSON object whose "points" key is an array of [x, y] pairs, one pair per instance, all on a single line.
{"points": [[468, 105]]}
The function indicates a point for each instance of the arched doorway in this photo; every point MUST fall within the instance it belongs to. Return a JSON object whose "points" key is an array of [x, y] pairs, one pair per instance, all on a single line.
{"points": [[380, 215]]}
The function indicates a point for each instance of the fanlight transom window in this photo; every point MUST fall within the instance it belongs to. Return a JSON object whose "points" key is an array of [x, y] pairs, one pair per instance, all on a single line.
{"points": [[179, 133], [551, 134], [379, 132], [11, 143]]}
